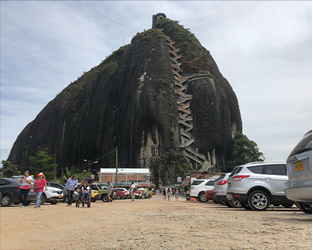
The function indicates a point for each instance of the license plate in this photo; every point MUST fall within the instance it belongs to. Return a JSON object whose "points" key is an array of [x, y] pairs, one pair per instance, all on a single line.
{"points": [[299, 166], [60, 196]]}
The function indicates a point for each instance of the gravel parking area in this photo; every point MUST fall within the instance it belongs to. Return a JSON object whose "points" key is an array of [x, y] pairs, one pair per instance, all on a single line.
{"points": [[153, 224]]}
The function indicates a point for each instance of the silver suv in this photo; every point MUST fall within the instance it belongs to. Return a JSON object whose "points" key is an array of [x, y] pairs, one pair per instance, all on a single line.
{"points": [[299, 166], [256, 185]]}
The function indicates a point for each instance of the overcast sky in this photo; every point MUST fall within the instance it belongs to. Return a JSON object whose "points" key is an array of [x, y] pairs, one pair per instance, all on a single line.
{"points": [[263, 48]]}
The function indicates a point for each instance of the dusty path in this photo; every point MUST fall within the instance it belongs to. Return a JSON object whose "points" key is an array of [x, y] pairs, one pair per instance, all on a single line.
{"points": [[153, 224]]}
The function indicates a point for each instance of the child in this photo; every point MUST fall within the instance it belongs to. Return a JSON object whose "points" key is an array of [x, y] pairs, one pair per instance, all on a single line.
{"points": [[168, 194], [176, 194], [85, 192]]}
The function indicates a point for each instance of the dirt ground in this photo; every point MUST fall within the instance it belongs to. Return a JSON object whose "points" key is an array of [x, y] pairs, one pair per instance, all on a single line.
{"points": [[153, 224]]}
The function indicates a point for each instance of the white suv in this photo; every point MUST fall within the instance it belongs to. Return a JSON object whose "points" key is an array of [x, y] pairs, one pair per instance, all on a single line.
{"points": [[199, 187], [52, 195], [256, 185]]}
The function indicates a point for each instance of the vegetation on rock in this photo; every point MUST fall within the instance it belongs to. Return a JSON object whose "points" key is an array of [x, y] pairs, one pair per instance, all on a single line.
{"points": [[8, 170], [243, 151], [41, 161]]}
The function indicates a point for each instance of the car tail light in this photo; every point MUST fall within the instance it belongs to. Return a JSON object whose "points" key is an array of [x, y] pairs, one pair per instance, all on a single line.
{"points": [[221, 182], [18, 188], [239, 177]]}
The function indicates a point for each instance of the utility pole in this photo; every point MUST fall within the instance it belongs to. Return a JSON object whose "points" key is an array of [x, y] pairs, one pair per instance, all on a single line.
{"points": [[116, 162]]}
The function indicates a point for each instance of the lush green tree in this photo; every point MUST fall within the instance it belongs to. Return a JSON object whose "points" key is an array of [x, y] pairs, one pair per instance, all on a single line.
{"points": [[243, 151], [41, 161], [8, 169]]}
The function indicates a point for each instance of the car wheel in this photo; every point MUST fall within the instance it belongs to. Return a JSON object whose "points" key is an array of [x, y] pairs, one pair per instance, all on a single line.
{"points": [[53, 202], [235, 204], [6, 200], [201, 197], [104, 198], [118, 197], [258, 200], [305, 207], [43, 199], [245, 205], [227, 203]]}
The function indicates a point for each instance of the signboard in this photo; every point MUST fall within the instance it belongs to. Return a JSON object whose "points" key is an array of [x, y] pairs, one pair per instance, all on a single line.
{"points": [[178, 179]]}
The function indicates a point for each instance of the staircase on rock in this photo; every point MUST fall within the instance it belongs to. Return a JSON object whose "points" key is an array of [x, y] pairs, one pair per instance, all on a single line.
{"points": [[183, 101]]}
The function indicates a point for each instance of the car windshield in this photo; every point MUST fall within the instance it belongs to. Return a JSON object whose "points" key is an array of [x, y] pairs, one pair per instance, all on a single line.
{"points": [[304, 145]]}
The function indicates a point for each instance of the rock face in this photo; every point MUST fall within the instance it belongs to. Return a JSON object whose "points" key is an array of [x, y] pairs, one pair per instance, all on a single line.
{"points": [[129, 101]]}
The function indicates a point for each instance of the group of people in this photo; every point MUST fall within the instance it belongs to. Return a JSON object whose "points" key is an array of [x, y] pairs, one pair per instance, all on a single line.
{"points": [[26, 183], [70, 186], [170, 192]]}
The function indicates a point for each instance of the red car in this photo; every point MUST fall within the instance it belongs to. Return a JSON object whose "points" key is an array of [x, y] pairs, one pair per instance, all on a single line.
{"points": [[119, 194], [209, 194]]}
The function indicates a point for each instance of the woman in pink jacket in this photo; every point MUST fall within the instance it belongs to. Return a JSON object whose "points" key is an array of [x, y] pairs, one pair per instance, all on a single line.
{"points": [[40, 184]]}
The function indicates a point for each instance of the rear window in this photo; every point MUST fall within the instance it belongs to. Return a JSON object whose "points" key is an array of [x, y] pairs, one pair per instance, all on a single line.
{"points": [[235, 171], [256, 169], [195, 183], [304, 145], [210, 183], [275, 169], [221, 177]]}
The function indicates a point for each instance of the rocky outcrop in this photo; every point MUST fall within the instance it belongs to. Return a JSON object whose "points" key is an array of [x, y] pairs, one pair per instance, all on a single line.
{"points": [[129, 101]]}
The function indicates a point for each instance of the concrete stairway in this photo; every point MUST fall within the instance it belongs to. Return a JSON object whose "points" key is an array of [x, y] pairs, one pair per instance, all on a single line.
{"points": [[183, 102]]}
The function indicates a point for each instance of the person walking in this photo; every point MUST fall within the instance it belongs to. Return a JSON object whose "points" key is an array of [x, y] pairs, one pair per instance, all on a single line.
{"points": [[164, 194], [89, 179], [26, 180], [176, 194], [132, 191], [70, 186], [168, 194], [110, 189], [40, 185]]}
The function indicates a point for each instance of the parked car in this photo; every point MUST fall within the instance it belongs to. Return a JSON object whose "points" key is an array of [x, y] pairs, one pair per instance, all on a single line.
{"points": [[119, 194], [140, 193], [209, 195], [299, 169], [52, 195], [256, 185], [126, 192], [199, 187], [10, 189], [103, 192], [60, 186]]}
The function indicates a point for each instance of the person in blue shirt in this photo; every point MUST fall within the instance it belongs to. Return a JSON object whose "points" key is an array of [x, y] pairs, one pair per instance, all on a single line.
{"points": [[70, 186]]}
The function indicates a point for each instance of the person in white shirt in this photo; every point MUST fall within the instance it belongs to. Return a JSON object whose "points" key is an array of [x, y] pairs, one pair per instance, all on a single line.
{"points": [[26, 181], [132, 190]]}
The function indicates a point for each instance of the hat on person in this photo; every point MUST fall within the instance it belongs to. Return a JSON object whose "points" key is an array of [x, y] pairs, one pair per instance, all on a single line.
{"points": [[92, 176], [41, 174], [26, 172]]}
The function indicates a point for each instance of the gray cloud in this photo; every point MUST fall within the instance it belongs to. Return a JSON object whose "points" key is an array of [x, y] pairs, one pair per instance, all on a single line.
{"points": [[263, 48]]}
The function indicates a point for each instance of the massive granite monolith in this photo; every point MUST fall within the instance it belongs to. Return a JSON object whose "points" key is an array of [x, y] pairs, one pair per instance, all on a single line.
{"points": [[131, 101]]}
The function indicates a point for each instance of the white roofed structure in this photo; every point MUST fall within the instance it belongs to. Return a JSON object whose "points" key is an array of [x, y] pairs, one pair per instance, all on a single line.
{"points": [[124, 176]]}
